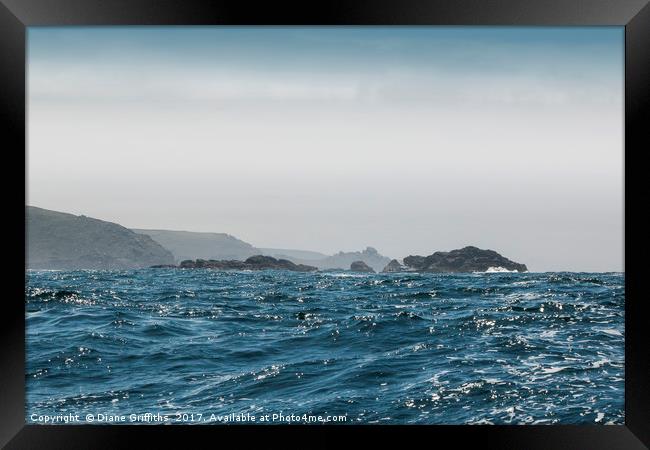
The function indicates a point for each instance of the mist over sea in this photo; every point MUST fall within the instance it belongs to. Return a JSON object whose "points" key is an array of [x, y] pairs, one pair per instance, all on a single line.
{"points": [[399, 348]]}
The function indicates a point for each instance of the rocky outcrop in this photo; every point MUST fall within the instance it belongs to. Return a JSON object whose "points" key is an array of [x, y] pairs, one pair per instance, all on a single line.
{"points": [[360, 266], [57, 240], [467, 259], [194, 245], [393, 266], [370, 256], [257, 262]]}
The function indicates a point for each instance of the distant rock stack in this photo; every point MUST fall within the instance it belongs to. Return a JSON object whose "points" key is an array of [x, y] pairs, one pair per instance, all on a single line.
{"points": [[370, 256], [393, 266], [360, 266]]}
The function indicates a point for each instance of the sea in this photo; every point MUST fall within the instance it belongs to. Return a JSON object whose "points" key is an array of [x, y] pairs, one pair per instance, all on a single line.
{"points": [[198, 346]]}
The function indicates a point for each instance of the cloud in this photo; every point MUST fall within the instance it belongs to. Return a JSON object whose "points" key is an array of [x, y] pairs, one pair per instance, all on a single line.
{"points": [[80, 83]]}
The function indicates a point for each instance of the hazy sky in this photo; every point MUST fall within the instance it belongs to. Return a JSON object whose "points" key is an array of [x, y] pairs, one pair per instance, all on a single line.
{"points": [[408, 139]]}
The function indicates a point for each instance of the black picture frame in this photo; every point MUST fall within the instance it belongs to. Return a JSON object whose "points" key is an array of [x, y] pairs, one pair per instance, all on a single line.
{"points": [[634, 15]]}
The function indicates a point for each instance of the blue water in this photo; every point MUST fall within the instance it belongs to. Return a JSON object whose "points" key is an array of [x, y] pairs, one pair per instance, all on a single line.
{"points": [[496, 348]]}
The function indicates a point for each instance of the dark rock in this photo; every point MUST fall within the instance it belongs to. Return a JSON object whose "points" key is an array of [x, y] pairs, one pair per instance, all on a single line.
{"points": [[257, 262], [360, 266], [393, 266], [467, 259], [415, 262], [261, 260]]}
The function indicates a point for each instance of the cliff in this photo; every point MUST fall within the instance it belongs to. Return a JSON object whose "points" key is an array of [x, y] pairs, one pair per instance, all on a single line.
{"points": [[57, 240], [293, 254], [196, 245]]}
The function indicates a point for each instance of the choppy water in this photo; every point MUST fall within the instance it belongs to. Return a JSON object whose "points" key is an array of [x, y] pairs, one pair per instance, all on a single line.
{"points": [[392, 348]]}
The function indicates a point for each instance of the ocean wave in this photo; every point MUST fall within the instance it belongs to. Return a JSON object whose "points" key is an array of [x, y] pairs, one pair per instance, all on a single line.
{"points": [[502, 348]]}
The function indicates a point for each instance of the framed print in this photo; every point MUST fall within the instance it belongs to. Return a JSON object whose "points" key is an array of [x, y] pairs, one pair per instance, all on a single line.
{"points": [[353, 219]]}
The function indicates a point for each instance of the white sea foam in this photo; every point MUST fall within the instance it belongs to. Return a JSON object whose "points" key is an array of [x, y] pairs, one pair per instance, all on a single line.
{"points": [[612, 332], [344, 275], [498, 269], [599, 363], [548, 334]]}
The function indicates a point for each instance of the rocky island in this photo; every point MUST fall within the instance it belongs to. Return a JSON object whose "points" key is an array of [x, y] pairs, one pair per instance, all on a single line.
{"points": [[257, 262], [467, 259]]}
